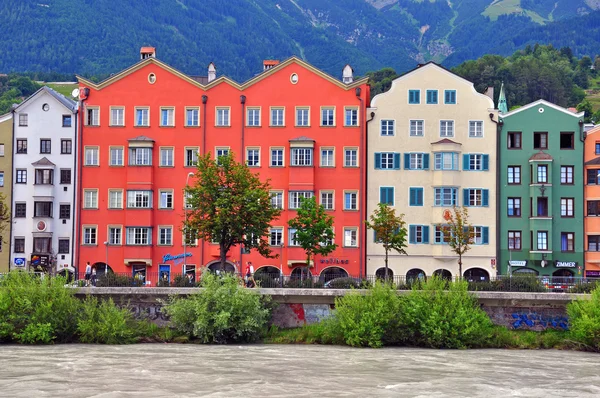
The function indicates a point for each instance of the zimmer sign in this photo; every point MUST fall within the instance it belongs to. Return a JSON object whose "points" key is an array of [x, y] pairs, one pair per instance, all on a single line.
{"points": [[565, 264]]}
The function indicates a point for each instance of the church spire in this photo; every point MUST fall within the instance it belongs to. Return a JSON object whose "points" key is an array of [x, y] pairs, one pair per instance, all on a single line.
{"points": [[502, 106]]}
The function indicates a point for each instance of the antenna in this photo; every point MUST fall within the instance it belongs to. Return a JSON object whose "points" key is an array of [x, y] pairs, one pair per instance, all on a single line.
{"points": [[75, 93]]}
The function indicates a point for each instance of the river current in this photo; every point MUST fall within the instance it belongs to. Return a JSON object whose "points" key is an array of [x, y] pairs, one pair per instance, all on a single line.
{"points": [[170, 370]]}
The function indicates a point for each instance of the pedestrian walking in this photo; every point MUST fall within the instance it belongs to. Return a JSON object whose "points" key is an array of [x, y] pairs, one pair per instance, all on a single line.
{"points": [[88, 273], [250, 275], [94, 276]]}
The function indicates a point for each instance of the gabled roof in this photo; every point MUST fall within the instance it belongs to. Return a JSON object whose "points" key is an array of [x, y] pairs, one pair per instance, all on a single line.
{"points": [[302, 138], [43, 162], [66, 102], [540, 156], [593, 162], [446, 141], [542, 102], [5, 117], [141, 138], [223, 79], [593, 130]]}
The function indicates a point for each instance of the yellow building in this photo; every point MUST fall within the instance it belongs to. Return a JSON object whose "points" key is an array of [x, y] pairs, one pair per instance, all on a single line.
{"points": [[432, 145], [6, 129]]}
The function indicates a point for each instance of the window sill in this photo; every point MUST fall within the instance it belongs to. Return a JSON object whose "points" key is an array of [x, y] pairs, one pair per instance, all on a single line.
{"points": [[141, 127], [222, 127]]}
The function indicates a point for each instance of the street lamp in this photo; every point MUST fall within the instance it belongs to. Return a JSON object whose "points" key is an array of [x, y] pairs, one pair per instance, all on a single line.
{"points": [[187, 179], [106, 260]]}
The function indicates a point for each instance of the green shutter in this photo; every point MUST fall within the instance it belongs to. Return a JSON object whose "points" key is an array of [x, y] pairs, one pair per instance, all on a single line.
{"points": [[396, 161], [377, 161], [425, 233], [425, 161], [485, 235], [485, 197], [407, 161], [486, 162], [419, 196], [466, 193], [466, 162]]}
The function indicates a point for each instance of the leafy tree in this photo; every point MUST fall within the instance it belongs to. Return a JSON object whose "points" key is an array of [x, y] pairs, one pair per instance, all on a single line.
{"points": [[314, 229], [596, 117], [230, 205], [381, 80], [586, 106], [458, 233], [390, 230], [4, 215]]}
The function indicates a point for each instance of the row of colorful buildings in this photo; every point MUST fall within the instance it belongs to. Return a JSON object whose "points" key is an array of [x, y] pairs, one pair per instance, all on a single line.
{"points": [[101, 178]]}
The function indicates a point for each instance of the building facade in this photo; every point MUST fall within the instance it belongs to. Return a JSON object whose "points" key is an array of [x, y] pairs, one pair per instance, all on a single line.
{"points": [[432, 146], [6, 132], [592, 203], [541, 191], [44, 183], [144, 127]]}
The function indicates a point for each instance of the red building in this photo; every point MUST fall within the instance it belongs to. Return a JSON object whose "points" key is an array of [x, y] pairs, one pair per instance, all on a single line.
{"points": [[143, 128]]}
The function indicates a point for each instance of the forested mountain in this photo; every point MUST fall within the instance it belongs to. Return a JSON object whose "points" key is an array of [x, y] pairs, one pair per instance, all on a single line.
{"points": [[98, 37]]}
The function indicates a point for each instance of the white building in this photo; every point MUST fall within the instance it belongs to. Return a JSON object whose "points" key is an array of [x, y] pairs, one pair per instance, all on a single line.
{"points": [[44, 177]]}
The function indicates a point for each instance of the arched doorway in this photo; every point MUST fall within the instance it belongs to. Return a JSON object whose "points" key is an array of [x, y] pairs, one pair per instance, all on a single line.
{"points": [[380, 273], [299, 272], [476, 275], [333, 273], [414, 274], [102, 268], [563, 276], [443, 273], [216, 266], [268, 276], [68, 274], [525, 271]]}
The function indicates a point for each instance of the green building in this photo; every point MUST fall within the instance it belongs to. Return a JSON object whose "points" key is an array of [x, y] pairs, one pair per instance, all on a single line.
{"points": [[540, 196]]}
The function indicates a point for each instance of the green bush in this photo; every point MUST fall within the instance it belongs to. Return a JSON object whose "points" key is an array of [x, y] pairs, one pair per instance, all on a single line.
{"points": [[182, 281], [308, 283], [584, 320], [585, 287], [344, 283], [222, 312], [522, 283], [113, 280], [102, 322], [36, 310]]}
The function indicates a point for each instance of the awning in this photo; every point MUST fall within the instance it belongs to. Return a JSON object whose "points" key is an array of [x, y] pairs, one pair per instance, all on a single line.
{"points": [[292, 263], [129, 261]]}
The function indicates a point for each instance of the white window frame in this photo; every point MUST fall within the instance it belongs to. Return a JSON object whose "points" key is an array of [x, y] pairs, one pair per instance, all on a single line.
{"points": [[329, 202], [95, 110], [417, 126], [115, 198], [117, 116], [476, 128], [354, 200], [327, 159], [439, 194], [118, 160], [144, 234], [145, 122], [292, 238], [351, 111], [253, 116], [142, 195], [170, 122], [301, 119], [301, 156], [111, 235], [327, 110], [350, 237], [271, 158], [294, 198], [143, 158], [91, 156], [168, 237], [193, 151], [277, 116], [165, 194], [255, 152], [387, 127], [90, 235], [90, 198], [353, 152], [278, 231], [442, 156], [276, 199], [169, 159], [223, 116], [446, 128], [195, 120]]}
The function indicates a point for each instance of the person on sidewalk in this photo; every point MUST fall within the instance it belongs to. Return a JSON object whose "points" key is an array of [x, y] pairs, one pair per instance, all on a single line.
{"points": [[250, 275], [94, 276], [88, 274]]}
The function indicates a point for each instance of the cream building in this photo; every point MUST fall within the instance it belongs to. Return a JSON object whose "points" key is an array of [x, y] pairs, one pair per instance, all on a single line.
{"points": [[432, 145]]}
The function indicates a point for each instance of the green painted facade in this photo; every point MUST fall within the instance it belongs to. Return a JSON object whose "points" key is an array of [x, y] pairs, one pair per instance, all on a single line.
{"points": [[550, 191]]}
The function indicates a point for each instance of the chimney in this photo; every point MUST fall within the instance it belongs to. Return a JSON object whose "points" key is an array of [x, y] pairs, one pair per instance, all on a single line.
{"points": [[347, 74], [269, 63], [489, 92], [147, 52], [212, 72]]}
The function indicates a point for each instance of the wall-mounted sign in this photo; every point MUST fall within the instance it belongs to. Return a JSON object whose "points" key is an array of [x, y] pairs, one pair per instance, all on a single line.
{"points": [[516, 263], [566, 264], [334, 261], [20, 262], [177, 259], [592, 274]]}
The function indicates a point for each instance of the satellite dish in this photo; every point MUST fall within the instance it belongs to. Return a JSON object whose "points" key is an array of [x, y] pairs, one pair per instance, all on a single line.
{"points": [[75, 93]]}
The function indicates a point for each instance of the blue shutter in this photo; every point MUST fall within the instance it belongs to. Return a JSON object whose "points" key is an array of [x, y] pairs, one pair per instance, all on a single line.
{"points": [[374, 236], [391, 196], [412, 234], [377, 161], [396, 161], [425, 161], [435, 97], [486, 162], [425, 233], [407, 161], [466, 162], [382, 195], [419, 196], [485, 235], [485, 197], [412, 197], [466, 193]]}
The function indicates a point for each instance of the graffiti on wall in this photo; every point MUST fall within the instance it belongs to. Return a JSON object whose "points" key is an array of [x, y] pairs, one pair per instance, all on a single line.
{"points": [[533, 320]]}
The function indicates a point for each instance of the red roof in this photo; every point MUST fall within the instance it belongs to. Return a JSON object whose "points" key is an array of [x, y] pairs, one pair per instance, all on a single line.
{"points": [[541, 156], [270, 62], [147, 50]]}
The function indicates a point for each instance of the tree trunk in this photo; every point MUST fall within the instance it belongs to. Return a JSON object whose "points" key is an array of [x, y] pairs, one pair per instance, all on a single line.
{"points": [[386, 266], [459, 266], [223, 255]]}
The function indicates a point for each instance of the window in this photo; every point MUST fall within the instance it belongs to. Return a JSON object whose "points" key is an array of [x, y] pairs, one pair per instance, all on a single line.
{"points": [[166, 199], [416, 128], [542, 174], [540, 140], [514, 207], [446, 161], [19, 245], [115, 199], [387, 127], [116, 156], [302, 117], [351, 117], [567, 140], [594, 243], [277, 117], [514, 174], [140, 156], [593, 176], [191, 157], [222, 117], [450, 97], [92, 116], [593, 207], [114, 235], [350, 201], [327, 159], [117, 116], [44, 177], [386, 195], [350, 237], [166, 157], [292, 237], [350, 157], [542, 207], [416, 161], [42, 245], [297, 196], [20, 210], [567, 207], [476, 162], [65, 176], [542, 240], [42, 209], [276, 237], [63, 246], [192, 117], [45, 146], [514, 240], [221, 152], [567, 241], [445, 197], [476, 197], [514, 140], [253, 157], [277, 199], [21, 146], [276, 157], [481, 235], [414, 96], [439, 237], [446, 128], [139, 199], [415, 196], [475, 128], [142, 117], [1, 179], [387, 160], [91, 156], [165, 236], [327, 200], [23, 120], [21, 176], [253, 117], [597, 151], [327, 116], [90, 199], [301, 157], [64, 212], [167, 117], [66, 147], [418, 234], [432, 96], [566, 174], [139, 236]]}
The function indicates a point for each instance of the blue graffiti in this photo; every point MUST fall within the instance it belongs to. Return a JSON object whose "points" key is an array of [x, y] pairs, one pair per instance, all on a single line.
{"points": [[523, 321]]}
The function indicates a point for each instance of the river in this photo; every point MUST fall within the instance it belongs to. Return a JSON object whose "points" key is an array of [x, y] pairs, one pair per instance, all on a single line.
{"points": [[170, 370]]}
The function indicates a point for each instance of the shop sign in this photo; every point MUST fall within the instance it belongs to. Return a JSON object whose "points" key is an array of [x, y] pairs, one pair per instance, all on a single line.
{"points": [[177, 259], [518, 263], [20, 262], [334, 261], [592, 274], [566, 264]]}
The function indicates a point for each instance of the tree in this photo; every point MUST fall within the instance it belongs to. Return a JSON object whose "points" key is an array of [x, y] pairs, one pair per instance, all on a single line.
{"points": [[314, 229], [4, 216], [390, 231], [458, 232], [586, 106], [230, 205]]}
